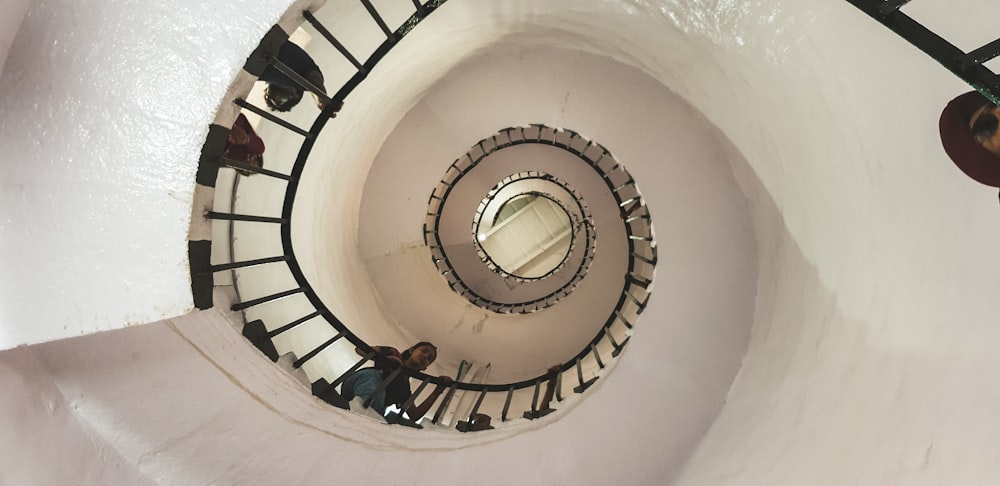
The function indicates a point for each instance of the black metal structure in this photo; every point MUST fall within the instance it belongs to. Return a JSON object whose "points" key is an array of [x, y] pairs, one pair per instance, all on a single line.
{"points": [[966, 65], [610, 340]]}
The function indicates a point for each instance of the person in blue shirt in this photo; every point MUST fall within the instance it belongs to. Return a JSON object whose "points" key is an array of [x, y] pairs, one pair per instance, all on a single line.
{"points": [[364, 382]]}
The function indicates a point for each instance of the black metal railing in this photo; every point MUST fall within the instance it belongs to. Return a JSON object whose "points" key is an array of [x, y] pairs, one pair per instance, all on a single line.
{"points": [[596, 157], [303, 307], [966, 65]]}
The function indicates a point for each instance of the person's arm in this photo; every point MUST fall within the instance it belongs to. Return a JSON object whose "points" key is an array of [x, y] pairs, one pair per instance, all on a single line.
{"points": [[316, 77], [417, 411]]}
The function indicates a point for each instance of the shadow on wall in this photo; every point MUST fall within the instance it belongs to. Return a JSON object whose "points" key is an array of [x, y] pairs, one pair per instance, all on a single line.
{"points": [[795, 401]]}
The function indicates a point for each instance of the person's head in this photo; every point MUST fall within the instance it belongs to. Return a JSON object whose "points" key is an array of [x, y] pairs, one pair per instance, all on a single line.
{"points": [[419, 356], [281, 98], [968, 129], [984, 127]]}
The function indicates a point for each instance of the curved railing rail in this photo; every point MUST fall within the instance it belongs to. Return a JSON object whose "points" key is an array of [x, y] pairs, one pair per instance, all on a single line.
{"points": [[493, 400], [568, 140]]}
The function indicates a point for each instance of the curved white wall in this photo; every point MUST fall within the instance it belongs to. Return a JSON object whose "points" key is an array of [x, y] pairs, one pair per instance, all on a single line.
{"points": [[105, 109], [876, 309], [872, 343]]}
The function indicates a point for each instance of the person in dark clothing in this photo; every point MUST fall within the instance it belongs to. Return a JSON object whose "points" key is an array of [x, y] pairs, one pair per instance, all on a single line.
{"points": [[243, 145], [364, 382], [282, 93]]}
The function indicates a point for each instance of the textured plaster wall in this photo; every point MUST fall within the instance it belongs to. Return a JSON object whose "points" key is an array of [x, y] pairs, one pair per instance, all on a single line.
{"points": [[876, 310], [105, 108]]}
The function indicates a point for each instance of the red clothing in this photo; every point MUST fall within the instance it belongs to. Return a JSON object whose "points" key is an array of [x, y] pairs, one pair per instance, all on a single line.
{"points": [[956, 136], [251, 151]]}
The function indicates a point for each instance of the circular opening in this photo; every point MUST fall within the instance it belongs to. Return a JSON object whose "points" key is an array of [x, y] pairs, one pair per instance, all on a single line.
{"points": [[483, 267], [529, 236]]}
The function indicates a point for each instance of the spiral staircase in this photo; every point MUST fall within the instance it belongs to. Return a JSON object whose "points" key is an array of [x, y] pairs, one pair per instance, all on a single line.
{"points": [[866, 283]]}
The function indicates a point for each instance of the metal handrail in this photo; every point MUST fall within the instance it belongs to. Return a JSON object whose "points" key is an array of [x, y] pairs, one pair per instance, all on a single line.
{"points": [[258, 334]]}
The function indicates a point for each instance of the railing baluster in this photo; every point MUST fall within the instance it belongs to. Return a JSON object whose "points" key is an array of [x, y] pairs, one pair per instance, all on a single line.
{"points": [[629, 201], [340, 379], [242, 103], [378, 20], [397, 417], [597, 163], [639, 280], [236, 164], [301, 361], [333, 41], [640, 303], [262, 300], [651, 261], [475, 408], [534, 400], [627, 183], [559, 386], [247, 263], [445, 403], [597, 356], [471, 425], [421, 9], [635, 218], [618, 347], [382, 386], [300, 80], [413, 397], [579, 376], [506, 404], [622, 318], [628, 212], [291, 325], [243, 217]]}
